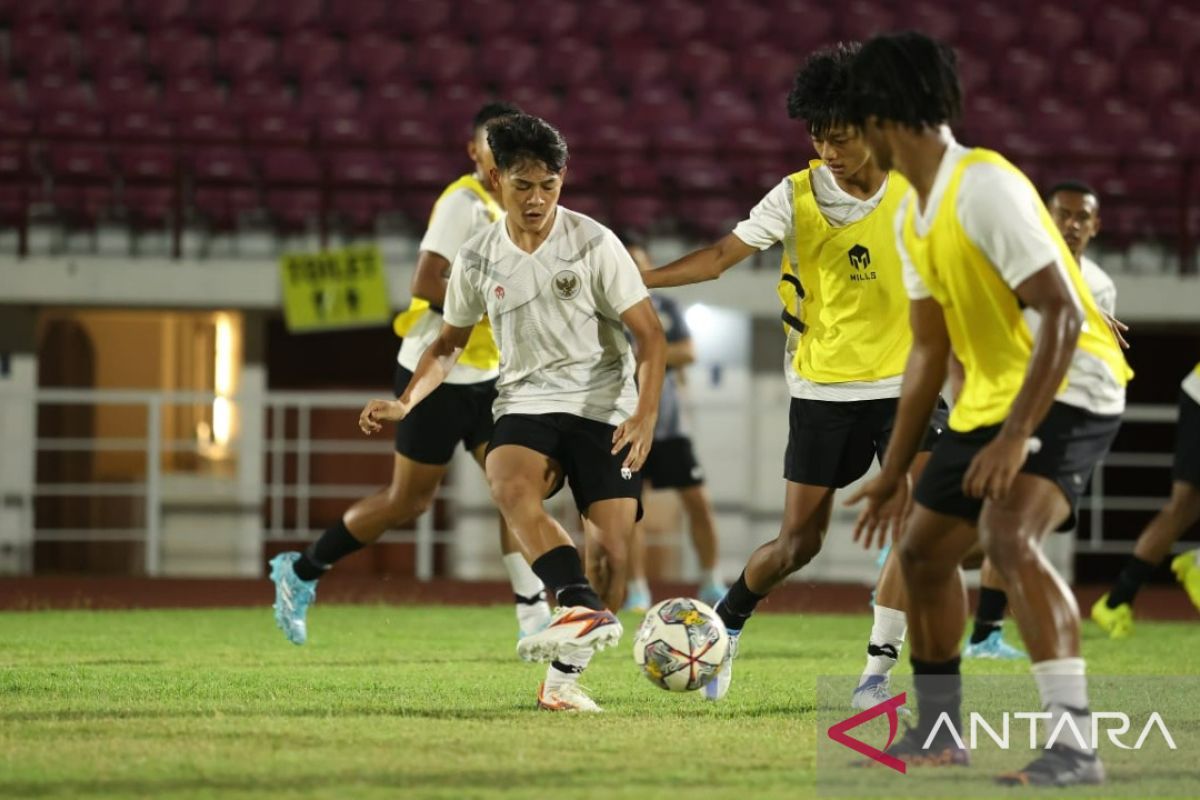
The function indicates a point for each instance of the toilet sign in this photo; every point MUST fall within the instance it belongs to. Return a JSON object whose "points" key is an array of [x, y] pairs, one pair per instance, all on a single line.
{"points": [[343, 288]]}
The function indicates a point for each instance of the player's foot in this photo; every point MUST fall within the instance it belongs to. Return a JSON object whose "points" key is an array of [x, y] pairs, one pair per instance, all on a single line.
{"points": [[637, 601], [1116, 622], [571, 629], [993, 647], [1187, 572], [942, 752], [871, 692], [568, 697], [711, 593], [533, 614], [1058, 766], [292, 598], [718, 687]]}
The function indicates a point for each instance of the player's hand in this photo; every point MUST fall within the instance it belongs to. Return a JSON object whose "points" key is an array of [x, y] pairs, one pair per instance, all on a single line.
{"points": [[887, 506], [992, 470], [1118, 328], [378, 410], [638, 433]]}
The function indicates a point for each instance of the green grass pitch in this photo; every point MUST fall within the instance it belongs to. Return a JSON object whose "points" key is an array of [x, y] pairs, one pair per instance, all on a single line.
{"points": [[415, 702]]}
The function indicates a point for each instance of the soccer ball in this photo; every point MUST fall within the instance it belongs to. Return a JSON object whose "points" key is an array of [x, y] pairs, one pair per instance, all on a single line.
{"points": [[680, 645]]}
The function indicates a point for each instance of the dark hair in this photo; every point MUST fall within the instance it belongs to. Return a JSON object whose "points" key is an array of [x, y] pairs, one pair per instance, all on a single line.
{"points": [[905, 77], [631, 237], [818, 93], [1071, 186], [491, 111], [522, 137]]}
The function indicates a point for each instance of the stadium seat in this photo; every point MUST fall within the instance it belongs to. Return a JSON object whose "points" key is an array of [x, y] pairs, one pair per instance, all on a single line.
{"points": [[395, 98], [1086, 74], [1122, 122], [936, 19], [357, 210], [176, 52], [293, 210], [699, 66], [309, 55], [207, 127], [702, 176], [277, 128], [1054, 119], [634, 212], [1054, 29], [1179, 121], [406, 132], [799, 26], [859, 20], [345, 131], [753, 24], [71, 123], [58, 91], [443, 59], [243, 54], [594, 105], [482, 20], [1151, 77], [359, 169], [553, 19], [767, 69], [258, 95], [88, 15], [607, 139], [221, 167], [289, 167], [352, 18], [140, 125], [218, 17], [654, 106], [415, 21], [612, 21], [727, 108], [110, 51], [281, 17], [328, 99], [677, 22], [507, 62], [674, 141], [709, 217], [544, 103], [1115, 30], [123, 91], [1023, 74], [157, 15], [222, 209], [190, 94], [1178, 27], [374, 57], [990, 28]]}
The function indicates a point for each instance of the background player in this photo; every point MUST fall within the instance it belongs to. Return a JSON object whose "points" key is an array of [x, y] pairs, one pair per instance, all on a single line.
{"points": [[1039, 363], [845, 313], [557, 286], [1114, 611], [672, 462], [1075, 208], [460, 411]]}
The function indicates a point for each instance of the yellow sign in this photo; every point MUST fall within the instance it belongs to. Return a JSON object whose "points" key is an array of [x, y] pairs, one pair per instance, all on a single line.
{"points": [[334, 289]]}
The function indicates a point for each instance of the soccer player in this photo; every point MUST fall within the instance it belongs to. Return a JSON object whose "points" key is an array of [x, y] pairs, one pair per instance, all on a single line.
{"points": [[672, 463], [845, 313], [460, 412], [1114, 611], [557, 287], [989, 277], [1075, 208]]}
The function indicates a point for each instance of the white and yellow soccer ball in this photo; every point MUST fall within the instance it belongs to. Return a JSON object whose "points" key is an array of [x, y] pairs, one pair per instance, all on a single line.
{"points": [[681, 644]]}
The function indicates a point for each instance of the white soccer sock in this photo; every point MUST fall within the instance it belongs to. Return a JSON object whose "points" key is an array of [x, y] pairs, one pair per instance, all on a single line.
{"points": [[712, 577], [887, 639], [639, 586], [576, 662], [521, 575], [1062, 685]]}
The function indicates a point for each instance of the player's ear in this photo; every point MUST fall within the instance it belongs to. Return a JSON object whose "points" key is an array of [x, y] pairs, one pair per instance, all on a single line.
{"points": [[494, 178], [1096, 224], [562, 175], [473, 151]]}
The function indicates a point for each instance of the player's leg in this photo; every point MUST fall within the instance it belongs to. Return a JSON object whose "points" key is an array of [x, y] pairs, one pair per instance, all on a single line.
{"points": [[295, 574], [608, 534], [638, 595], [529, 595], [702, 524]]}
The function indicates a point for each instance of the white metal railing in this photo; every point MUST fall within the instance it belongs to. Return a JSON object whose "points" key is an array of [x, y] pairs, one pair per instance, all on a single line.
{"points": [[272, 443]]}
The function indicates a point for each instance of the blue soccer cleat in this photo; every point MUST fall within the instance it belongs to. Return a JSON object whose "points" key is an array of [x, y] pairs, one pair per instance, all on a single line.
{"points": [[637, 602], [995, 648], [292, 598], [711, 593]]}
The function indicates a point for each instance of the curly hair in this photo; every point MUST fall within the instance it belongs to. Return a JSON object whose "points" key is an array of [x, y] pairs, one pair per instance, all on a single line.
{"points": [[523, 137], [818, 93], [905, 77]]}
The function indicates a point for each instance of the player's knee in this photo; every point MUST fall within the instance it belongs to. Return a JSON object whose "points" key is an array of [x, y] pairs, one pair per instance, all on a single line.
{"points": [[510, 494], [1009, 551], [406, 505]]}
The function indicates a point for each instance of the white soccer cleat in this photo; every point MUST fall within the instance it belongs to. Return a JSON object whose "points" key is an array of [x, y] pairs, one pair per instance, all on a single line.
{"points": [[568, 697], [571, 629], [873, 691], [718, 687]]}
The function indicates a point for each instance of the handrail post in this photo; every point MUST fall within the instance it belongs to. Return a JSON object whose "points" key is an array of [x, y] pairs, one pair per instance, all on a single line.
{"points": [[153, 543]]}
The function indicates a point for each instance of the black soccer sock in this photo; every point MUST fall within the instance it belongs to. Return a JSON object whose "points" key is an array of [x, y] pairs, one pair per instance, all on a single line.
{"points": [[990, 614], [562, 571], [938, 686], [1136, 573], [334, 545], [738, 604]]}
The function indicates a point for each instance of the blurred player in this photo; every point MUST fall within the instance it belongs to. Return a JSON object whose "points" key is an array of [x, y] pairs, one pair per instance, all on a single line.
{"points": [[845, 313], [1075, 208], [557, 287], [989, 275], [1114, 611], [461, 411], [672, 462]]}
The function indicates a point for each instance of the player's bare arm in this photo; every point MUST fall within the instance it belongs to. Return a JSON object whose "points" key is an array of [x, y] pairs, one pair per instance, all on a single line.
{"points": [[430, 278], [992, 470], [702, 265], [435, 364], [651, 347], [681, 353], [924, 374]]}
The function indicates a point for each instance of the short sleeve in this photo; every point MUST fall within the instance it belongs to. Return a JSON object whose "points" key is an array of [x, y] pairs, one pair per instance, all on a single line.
{"points": [[1103, 290], [999, 211], [913, 284], [465, 305], [618, 282], [674, 324], [771, 220], [450, 225]]}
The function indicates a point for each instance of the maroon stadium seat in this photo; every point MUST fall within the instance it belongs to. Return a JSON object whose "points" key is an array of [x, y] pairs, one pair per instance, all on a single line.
{"points": [[243, 54], [280, 17], [552, 19], [709, 217], [222, 208], [359, 168], [752, 26], [293, 210], [376, 57], [1055, 118], [140, 125], [654, 106], [189, 94], [289, 167], [1086, 74], [507, 62], [38, 50], [442, 59], [155, 15], [673, 141], [58, 91], [939, 20], [120, 91], [990, 28], [537, 101], [703, 176], [974, 73], [87, 15], [677, 22], [1115, 30], [637, 212], [346, 131], [223, 167], [727, 109], [258, 95], [352, 18], [148, 207], [1055, 28], [78, 164], [1178, 27], [207, 127], [595, 104], [358, 209], [701, 66], [395, 98], [1150, 76], [1179, 120], [571, 62], [178, 51], [415, 21], [611, 21], [1121, 122], [767, 69], [643, 64], [329, 99], [277, 128], [484, 19], [218, 17], [71, 124], [1024, 74], [609, 138], [309, 55], [801, 25], [140, 164], [862, 19], [110, 51]]}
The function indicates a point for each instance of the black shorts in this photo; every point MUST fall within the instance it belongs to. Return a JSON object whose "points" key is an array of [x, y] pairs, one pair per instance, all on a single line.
{"points": [[1073, 443], [1187, 441], [673, 465], [832, 443], [582, 447], [453, 413]]}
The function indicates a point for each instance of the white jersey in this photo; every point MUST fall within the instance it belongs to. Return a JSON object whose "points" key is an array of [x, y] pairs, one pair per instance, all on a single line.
{"points": [[556, 317], [459, 216], [998, 211], [1103, 290], [774, 220], [1191, 384]]}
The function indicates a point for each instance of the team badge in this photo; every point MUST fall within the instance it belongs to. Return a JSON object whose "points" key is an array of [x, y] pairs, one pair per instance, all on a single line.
{"points": [[626, 473], [566, 285]]}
